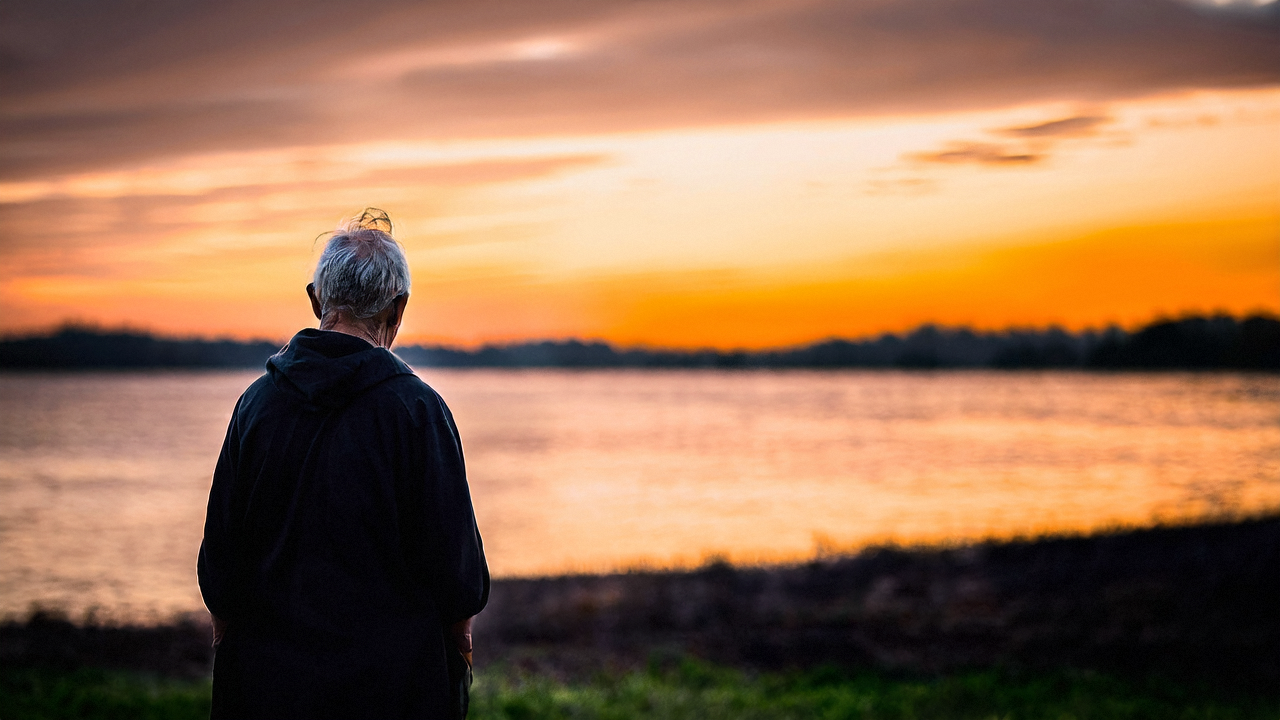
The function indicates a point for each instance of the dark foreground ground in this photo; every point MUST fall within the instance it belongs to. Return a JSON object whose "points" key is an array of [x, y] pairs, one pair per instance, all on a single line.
{"points": [[1195, 603], [1190, 609]]}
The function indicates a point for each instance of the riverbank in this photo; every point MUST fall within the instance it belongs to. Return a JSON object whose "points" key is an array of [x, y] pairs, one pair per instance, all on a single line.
{"points": [[1195, 603], [1189, 604]]}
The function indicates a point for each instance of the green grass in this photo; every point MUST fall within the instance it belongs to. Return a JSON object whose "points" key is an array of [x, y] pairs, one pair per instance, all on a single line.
{"points": [[694, 690], [683, 688], [27, 694]]}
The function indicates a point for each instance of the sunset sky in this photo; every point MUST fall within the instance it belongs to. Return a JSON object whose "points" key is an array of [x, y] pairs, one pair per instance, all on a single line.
{"points": [[742, 173]]}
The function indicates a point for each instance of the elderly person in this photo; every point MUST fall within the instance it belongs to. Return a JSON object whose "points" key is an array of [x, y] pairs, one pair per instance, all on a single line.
{"points": [[341, 560]]}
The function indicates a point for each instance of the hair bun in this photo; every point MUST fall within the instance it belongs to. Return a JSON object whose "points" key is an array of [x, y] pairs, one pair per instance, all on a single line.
{"points": [[371, 219]]}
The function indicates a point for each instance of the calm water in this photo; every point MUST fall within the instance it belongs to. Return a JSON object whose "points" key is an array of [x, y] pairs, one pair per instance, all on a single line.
{"points": [[103, 477]]}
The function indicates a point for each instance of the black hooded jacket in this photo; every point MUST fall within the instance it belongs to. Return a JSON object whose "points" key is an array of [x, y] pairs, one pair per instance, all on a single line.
{"points": [[339, 539]]}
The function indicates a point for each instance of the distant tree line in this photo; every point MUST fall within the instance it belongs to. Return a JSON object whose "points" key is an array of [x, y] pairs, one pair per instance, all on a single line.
{"points": [[1195, 343], [1220, 342], [77, 347]]}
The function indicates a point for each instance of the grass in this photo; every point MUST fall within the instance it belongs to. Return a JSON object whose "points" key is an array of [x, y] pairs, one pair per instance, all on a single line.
{"points": [[31, 694], [695, 690], [683, 688]]}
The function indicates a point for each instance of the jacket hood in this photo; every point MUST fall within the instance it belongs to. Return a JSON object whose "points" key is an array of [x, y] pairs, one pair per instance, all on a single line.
{"points": [[329, 369]]}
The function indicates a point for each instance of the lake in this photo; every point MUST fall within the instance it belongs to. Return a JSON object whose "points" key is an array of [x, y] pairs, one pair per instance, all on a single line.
{"points": [[104, 476]]}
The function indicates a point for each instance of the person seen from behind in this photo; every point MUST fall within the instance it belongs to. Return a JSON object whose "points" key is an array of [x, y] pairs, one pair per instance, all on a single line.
{"points": [[341, 560]]}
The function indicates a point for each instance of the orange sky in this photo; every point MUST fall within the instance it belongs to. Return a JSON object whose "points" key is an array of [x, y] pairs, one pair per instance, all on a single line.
{"points": [[741, 174]]}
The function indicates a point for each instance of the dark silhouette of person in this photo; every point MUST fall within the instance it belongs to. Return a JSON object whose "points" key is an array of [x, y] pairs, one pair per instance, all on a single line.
{"points": [[341, 560]]}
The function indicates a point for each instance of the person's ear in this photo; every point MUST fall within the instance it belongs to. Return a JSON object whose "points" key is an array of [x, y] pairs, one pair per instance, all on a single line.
{"points": [[397, 310], [315, 301]]}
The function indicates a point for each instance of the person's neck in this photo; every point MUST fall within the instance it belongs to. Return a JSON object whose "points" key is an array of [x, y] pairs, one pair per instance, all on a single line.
{"points": [[376, 336]]}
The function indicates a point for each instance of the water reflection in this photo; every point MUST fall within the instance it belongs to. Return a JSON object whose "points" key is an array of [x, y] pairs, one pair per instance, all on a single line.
{"points": [[103, 477]]}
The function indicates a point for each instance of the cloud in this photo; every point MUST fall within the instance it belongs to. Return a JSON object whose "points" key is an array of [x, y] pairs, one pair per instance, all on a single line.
{"points": [[279, 173], [62, 231], [1079, 126], [979, 153], [90, 86], [1032, 143]]}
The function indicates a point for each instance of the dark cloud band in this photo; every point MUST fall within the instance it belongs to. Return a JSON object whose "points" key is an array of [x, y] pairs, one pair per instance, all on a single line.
{"points": [[99, 84]]}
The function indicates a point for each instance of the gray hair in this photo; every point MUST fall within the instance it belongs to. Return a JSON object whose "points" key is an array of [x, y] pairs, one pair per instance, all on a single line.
{"points": [[362, 269]]}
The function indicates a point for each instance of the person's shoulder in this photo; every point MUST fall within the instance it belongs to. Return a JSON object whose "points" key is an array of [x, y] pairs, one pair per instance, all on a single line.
{"points": [[259, 390], [260, 393], [261, 383], [422, 400]]}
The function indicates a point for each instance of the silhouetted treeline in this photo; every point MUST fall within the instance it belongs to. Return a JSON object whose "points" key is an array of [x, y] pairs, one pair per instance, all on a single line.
{"points": [[88, 348], [1216, 342], [1220, 342]]}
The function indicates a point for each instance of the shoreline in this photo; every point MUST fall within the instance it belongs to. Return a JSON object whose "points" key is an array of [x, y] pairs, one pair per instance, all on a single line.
{"points": [[1187, 602]]}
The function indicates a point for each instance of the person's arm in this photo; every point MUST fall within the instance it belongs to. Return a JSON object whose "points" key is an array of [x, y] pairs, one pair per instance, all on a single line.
{"points": [[460, 574], [215, 563]]}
